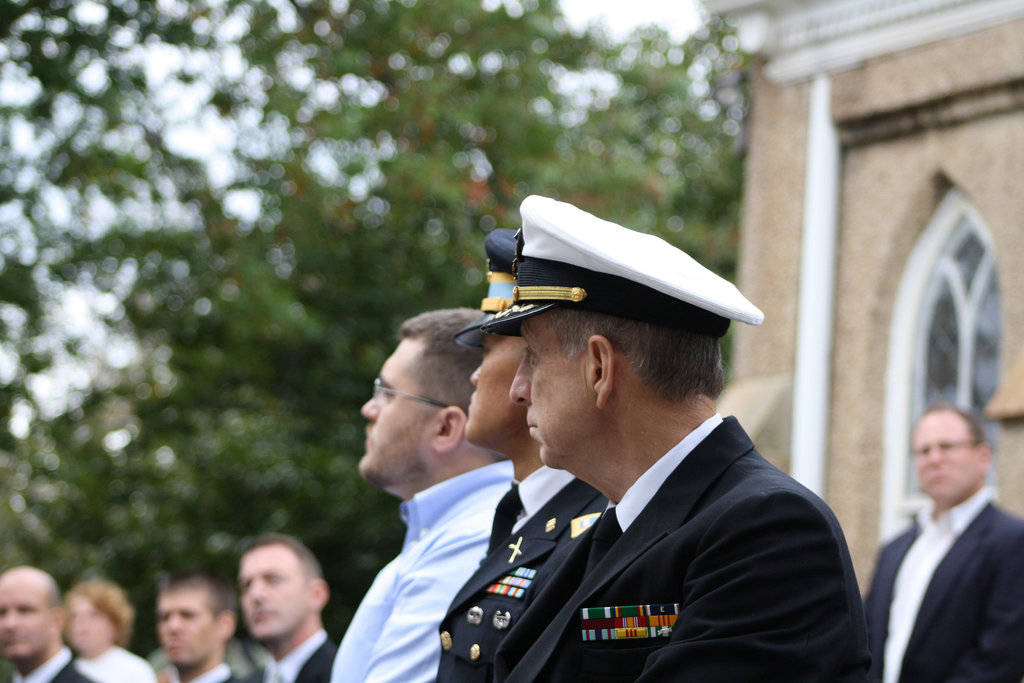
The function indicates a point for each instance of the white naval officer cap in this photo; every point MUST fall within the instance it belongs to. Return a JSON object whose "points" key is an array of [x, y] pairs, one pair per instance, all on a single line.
{"points": [[567, 257]]}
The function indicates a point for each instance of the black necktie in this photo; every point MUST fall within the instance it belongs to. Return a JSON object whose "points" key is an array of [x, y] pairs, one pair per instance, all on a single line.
{"points": [[606, 532], [505, 516]]}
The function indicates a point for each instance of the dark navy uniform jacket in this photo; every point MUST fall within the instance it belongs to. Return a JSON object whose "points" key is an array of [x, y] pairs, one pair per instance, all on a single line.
{"points": [[494, 598], [755, 565]]}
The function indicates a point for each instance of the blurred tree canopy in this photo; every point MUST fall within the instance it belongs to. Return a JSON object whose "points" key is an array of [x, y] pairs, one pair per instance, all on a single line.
{"points": [[214, 214]]}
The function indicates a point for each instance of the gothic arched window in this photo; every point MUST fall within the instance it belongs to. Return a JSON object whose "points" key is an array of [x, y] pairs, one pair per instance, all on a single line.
{"points": [[945, 340]]}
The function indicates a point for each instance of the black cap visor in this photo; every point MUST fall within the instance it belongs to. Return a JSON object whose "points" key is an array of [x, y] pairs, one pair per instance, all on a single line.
{"points": [[509, 321], [472, 335]]}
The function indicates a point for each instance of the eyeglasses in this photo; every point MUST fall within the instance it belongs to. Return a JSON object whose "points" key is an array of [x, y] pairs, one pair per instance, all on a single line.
{"points": [[380, 391], [943, 447]]}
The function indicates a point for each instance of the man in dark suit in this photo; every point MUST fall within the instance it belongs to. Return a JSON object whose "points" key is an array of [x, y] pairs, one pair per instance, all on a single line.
{"points": [[31, 623], [712, 565], [283, 594], [947, 599], [539, 517]]}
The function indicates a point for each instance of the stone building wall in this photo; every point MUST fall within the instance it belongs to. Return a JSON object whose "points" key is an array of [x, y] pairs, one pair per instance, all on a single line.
{"points": [[913, 125]]}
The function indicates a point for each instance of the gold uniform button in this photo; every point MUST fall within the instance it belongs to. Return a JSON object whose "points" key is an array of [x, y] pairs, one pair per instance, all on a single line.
{"points": [[474, 652], [446, 641]]}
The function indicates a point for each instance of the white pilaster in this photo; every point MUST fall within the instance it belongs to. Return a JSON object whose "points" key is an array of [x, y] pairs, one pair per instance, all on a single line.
{"points": [[817, 293]]}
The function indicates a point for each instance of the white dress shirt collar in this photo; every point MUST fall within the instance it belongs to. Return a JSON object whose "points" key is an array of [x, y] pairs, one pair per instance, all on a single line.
{"points": [[45, 672], [217, 674], [538, 488], [957, 518], [289, 666], [435, 505], [644, 488]]}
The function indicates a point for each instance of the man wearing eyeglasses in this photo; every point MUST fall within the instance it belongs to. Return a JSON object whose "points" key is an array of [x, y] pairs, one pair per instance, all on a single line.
{"points": [[947, 599], [416, 449]]}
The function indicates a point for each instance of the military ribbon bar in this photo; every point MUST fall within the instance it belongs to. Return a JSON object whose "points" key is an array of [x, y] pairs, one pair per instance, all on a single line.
{"points": [[628, 622], [515, 584]]}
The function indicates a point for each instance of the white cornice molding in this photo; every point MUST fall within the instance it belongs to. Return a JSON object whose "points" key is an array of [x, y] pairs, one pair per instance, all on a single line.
{"points": [[801, 38]]}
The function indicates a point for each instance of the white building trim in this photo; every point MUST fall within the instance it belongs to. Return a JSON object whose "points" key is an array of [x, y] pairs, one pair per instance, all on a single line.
{"points": [[904, 348], [813, 376], [802, 38]]}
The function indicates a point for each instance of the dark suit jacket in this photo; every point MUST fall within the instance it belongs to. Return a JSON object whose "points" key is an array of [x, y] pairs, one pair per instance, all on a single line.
{"points": [[317, 668], [757, 564], [541, 546], [970, 626], [69, 674]]}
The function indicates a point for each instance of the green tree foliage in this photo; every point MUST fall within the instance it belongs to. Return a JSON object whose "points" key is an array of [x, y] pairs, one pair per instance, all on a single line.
{"points": [[214, 214]]}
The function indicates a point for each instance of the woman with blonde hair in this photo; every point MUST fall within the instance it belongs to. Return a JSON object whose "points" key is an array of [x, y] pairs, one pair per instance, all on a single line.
{"points": [[99, 626]]}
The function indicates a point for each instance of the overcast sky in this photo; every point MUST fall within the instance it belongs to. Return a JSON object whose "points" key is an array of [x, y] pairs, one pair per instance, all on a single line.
{"points": [[680, 17]]}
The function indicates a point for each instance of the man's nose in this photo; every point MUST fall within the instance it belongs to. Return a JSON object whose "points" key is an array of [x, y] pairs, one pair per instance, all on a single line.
{"points": [[370, 410], [519, 392]]}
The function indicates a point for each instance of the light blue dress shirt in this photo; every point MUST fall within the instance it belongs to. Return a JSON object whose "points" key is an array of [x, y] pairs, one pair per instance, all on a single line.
{"points": [[393, 636]]}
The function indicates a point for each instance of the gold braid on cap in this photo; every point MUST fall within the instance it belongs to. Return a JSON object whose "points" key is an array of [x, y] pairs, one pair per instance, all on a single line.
{"points": [[574, 294], [498, 276], [493, 304]]}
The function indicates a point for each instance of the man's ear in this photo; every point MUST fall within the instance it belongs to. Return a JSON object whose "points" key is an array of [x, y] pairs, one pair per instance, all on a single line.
{"points": [[449, 427], [599, 368], [59, 620], [986, 454], [226, 623], [320, 593]]}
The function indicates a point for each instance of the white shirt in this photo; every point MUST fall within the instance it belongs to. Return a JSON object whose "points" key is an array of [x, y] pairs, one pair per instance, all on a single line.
{"points": [[45, 672], [643, 489], [217, 674], [537, 489], [287, 669], [915, 573], [116, 665]]}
